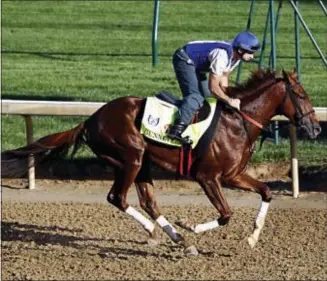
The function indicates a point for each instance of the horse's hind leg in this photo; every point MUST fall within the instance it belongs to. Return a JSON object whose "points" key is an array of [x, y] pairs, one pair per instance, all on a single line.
{"points": [[149, 204], [124, 178], [115, 197], [246, 182]]}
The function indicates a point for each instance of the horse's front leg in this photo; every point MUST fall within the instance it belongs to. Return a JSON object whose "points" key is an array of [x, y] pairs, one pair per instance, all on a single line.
{"points": [[246, 182], [213, 189]]}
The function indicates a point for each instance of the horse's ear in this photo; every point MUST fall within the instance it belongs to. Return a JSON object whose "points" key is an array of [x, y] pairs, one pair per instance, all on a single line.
{"points": [[278, 75], [285, 76], [294, 74]]}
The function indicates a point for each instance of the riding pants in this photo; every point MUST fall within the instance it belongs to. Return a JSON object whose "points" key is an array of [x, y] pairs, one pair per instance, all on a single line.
{"points": [[193, 84]]}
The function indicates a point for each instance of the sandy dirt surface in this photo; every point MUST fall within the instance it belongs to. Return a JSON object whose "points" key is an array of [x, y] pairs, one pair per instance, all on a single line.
{"points": [[65, 230]]}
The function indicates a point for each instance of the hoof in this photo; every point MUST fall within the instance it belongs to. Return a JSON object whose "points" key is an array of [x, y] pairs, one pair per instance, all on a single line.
{"points": [[191, 251], [186, 224], [153, 242], [252, 242]]}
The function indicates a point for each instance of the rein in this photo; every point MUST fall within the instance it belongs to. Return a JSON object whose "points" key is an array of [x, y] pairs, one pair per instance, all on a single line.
{"points": [[257, 90], [256, 123], [247, 117], [251, 120], [299, 115]]}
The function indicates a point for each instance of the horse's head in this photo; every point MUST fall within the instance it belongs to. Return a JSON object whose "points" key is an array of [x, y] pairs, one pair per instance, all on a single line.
{"points": [[297, 107]]}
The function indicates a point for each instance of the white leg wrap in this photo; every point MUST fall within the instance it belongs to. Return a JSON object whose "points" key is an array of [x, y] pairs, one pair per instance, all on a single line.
{"points": [[263, 210], [206, 226], [259, 223], [167, 227], [260, 220], [254, 237], [147, 224]]}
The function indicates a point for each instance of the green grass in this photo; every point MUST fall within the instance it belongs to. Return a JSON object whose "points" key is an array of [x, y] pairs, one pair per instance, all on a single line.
{"points": [[101, 50]]}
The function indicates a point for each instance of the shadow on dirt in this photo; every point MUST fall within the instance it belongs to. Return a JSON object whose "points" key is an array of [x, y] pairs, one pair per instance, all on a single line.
{"points": [[276, 175], [45, 236], [41, 235]]}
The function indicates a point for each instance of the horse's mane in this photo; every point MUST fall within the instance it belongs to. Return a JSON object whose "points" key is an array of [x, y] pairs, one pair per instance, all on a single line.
{"points": [[248, 87]]}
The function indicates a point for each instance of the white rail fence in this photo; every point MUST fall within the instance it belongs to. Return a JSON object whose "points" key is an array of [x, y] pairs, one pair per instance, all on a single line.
{"points": [[27, 109]]}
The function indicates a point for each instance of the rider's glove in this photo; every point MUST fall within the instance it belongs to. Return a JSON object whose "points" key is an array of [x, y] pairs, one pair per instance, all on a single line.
{"points": [[236, 103]]}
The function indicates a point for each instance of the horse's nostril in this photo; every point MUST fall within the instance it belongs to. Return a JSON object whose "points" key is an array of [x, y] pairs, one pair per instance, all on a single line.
{"points": [[317, 130]]}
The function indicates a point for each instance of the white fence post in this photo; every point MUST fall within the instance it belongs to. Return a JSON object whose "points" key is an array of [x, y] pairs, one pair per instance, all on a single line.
{"points": [[30, 161]]}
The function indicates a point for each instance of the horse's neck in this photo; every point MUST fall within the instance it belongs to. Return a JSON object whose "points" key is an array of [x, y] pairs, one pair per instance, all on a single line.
{"points": [[263, 108]]}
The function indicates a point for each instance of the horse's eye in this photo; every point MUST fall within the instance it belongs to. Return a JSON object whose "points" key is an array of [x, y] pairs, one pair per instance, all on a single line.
{"points": [[300, 92]]}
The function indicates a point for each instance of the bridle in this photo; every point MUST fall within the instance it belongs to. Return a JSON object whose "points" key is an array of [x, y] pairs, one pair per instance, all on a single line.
{"points": [[299, 115]]}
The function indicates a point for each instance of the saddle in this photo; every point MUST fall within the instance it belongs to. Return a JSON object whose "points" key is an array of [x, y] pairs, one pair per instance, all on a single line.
{"points": [[159, 114], [199, 116]]}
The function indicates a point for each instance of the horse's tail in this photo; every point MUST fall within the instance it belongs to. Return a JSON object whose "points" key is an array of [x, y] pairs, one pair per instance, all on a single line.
{"points": [[14, 163]]}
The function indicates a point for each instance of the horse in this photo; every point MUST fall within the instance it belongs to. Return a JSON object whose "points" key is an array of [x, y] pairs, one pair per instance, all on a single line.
{"points": [[113, 134]]}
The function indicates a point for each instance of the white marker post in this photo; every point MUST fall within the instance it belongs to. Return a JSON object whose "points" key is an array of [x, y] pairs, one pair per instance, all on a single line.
{"points": [[30, 161], [294, 162]]}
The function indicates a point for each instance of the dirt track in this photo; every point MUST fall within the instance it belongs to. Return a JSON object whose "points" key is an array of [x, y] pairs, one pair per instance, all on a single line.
{"points": [[65, 230]]}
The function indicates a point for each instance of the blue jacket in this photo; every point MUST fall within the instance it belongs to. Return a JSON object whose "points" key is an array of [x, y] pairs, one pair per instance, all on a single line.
{"points": [[198, 51]]}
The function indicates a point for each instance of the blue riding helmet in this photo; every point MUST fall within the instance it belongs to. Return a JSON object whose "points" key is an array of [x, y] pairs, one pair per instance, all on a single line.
{"points": [[246, 41]]}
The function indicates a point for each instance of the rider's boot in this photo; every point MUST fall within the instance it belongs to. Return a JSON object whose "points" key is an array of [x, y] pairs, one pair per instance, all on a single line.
{"points": [[176, 130]]}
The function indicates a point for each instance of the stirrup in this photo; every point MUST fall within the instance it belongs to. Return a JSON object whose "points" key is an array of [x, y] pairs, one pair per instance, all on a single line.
{"points": [[182, 140], [175, 132]]}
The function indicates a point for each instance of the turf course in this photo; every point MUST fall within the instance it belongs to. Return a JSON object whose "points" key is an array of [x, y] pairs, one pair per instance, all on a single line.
{"points": [[101, 50]]}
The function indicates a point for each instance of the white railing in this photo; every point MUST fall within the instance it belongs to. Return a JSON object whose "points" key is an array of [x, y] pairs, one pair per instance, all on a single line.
{"points": [[27, 109]]}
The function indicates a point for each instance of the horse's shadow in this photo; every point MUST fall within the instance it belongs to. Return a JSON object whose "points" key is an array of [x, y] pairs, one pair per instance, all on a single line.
{"points": [[40, 235], [14, 187], [285, 188], [48, 235], [312, 178]]}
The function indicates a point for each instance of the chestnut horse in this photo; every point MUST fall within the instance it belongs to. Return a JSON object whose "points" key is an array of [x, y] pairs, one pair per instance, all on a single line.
{"points": [[113, 135]]}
